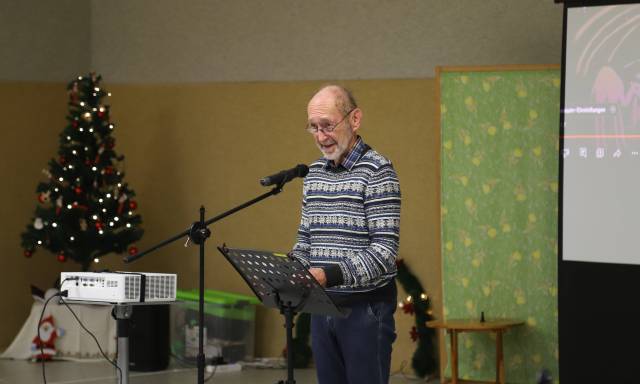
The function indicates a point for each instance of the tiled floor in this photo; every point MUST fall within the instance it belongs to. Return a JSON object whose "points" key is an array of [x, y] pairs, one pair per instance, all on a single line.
{"points": [[64, 372]]}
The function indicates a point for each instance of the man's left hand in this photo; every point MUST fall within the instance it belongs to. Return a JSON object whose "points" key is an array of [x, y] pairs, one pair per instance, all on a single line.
{"points": [[319, 275]]}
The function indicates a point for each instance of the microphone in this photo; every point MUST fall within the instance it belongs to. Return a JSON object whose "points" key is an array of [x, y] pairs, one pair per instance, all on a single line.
{"points": [[285, 176]]}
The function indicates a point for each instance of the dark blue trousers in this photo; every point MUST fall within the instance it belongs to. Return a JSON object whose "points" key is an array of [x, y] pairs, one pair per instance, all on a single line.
{"points": [[355, 349]]}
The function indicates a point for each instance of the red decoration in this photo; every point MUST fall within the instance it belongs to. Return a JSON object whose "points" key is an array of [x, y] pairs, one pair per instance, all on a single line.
{"points": [[100, 114], [74, 123], [99, 225], [78, 190], [133, 205], [62, 160], [108, 170], [414, 334], [43, 345], [28, 253], [408, 308], [133, 250], [42, 198], [120, 208], [61, 257]]}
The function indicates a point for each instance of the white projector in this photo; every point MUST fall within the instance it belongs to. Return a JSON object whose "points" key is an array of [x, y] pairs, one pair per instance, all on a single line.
{"points": [[119, 287]]}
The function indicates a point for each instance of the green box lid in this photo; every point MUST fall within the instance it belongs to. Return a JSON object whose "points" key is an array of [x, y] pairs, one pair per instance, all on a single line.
{"points": [[216, 297], [221, 304]]}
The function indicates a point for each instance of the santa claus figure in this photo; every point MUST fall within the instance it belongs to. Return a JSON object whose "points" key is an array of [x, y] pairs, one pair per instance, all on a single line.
{"points": [[43, 345]]}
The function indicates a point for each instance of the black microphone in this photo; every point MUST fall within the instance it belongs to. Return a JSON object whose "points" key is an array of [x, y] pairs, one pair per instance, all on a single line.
{"points": [[285, 176]]}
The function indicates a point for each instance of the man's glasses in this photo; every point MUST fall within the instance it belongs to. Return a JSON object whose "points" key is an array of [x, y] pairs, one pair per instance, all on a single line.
{"points": [[325, 126]]}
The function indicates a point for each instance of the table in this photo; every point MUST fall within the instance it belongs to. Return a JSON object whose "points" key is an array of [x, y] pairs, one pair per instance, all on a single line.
{"points": [[456, 326]]}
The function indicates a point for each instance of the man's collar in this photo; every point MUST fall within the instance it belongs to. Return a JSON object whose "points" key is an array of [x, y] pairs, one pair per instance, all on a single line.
{"points": [[352, 156]]}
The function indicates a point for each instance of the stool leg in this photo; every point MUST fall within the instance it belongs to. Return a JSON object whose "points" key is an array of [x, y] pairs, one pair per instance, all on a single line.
{"points": [[499, 358], [454, 356]]}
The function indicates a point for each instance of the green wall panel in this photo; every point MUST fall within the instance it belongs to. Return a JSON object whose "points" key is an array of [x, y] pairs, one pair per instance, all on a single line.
{"points": [[499, 215]]}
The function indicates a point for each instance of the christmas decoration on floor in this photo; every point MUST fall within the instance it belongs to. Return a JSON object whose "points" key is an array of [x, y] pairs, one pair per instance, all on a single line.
{"points": [[417, 303], [43, 346], [85, 209]]}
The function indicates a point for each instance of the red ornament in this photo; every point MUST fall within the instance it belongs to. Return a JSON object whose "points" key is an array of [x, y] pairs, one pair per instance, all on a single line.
{"points": [[133, 205], [108, 170], [133, 250], [62, 160], [99, 225], [414, 334], [61, 257], [74, 123], [28, 253], [408, 308], [78, 190]]}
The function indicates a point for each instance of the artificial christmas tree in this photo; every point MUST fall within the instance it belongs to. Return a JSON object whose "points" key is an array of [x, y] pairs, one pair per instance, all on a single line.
{"points": [[85, 209]]}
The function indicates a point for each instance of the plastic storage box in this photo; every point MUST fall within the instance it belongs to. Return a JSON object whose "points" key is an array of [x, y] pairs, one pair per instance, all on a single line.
{"points": [[229, 321]]}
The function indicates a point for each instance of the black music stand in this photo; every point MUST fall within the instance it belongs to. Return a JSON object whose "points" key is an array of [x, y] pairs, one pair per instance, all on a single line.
{"points": [[282, 282]]}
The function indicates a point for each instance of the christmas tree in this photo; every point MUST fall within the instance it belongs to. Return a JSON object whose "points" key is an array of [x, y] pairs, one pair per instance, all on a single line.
{"points": [[85, 210]]}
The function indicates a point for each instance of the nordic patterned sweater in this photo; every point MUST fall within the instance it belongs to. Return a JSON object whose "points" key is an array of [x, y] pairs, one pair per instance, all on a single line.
{"points": [[350, 222]]}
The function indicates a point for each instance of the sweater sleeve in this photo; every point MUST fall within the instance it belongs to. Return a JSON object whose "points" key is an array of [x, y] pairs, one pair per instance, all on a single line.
{"points": [[302, 247]]}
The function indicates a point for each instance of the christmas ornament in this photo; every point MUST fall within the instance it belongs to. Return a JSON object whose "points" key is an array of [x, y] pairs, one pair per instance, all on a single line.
{"points": [[133, 250], [28, 253], [44, 197], [62, 257], [414, 334], [38, 224], [407, 308], [133, 205], [78, 190], [43, 345]]}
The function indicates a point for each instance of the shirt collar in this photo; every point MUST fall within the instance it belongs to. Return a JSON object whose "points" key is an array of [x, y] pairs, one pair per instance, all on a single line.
{"points": [[350, 159]]}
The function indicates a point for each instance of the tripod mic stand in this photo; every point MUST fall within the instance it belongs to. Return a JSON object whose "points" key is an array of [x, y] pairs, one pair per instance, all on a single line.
{"points": [[198, 233]]}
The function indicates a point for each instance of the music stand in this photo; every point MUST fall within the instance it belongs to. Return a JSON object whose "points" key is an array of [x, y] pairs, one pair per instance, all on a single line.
{"points": [[282, 282]]}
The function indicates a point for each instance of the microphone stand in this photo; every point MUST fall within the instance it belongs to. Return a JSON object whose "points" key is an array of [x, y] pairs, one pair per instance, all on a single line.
{"points": [[198, 233]]}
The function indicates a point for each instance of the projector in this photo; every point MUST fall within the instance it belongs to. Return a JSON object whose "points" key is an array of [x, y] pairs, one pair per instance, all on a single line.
{"points": [[119, 287]]}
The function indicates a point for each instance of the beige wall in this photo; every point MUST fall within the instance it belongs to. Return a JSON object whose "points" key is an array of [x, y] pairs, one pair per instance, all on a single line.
{"points": [[188, 145]]}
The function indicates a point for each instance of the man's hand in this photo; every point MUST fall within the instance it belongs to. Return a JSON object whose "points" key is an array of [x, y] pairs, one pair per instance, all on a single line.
{"points": [[318, 274]]}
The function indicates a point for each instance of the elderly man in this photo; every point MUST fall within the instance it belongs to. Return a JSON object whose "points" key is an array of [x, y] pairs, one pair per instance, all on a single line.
{"points": [[348, 238]]}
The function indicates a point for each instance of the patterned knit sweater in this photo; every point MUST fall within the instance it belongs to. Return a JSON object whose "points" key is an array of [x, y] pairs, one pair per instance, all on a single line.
{"points": [[350, 223]]}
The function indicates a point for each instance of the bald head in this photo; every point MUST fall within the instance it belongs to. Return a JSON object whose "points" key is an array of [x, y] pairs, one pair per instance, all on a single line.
{"points": [[341, 97]]}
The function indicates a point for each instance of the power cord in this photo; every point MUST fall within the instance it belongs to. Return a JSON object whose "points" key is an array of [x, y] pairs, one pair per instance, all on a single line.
{"points": [[62, 294], [42, 359], [96, 340]]}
